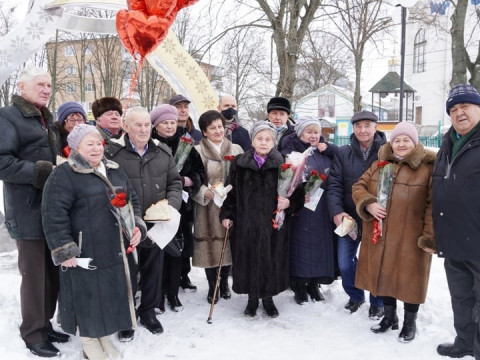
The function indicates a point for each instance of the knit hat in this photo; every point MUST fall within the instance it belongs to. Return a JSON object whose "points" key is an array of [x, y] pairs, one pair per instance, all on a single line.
{"points": [[364, 115], [105, 104], [262, 125], [162, 113], [78, 133], [405, 128], [278, 103], [178, 99], [463, 93], [70, 107], [303, 122]]}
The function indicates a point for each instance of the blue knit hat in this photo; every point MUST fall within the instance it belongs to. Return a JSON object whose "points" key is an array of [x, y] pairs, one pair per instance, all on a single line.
{"points": [[68, 108], [464, 93]]}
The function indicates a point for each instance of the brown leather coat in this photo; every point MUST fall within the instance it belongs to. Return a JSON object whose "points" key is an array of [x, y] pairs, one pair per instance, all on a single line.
{"points": [[397, 266]]}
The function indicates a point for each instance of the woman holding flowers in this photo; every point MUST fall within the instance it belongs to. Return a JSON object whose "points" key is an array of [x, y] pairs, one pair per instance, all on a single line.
{"points": [[398, 238], [260, 252], [209, 233], [190, 166], [312, 256], [83, 213]]}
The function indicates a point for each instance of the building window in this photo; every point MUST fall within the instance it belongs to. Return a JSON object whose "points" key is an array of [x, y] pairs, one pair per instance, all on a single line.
{"points": [[71, 70], [89, 87], [89, 69], [69, 51], [419, 46], [88, 50], [71, 88]]}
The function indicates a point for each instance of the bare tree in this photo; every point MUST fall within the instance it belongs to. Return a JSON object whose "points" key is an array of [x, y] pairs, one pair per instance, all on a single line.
{"points": [[357, 22], [7, 22]]}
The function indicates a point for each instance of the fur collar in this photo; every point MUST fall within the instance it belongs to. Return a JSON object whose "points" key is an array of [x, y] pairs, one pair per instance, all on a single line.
{"points": [[211, 153], [78, 164], [274, 160], [30, 110], [413, 160]]}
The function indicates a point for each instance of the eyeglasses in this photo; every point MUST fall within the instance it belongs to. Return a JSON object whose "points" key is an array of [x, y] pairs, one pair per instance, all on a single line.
{"points": [[75, 119]]}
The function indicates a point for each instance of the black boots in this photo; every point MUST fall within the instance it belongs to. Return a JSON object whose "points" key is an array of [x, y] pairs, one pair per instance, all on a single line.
{"points": [[270, 307], [390, 320], [224, 288], [313, 290], [212, 278], [300, 290], [252, 306], [409, 327]]}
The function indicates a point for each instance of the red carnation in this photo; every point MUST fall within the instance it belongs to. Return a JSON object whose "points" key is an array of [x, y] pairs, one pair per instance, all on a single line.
{"points": [[381, 164], [323, 177], [314, 173], [229, 157], [286, 166]]}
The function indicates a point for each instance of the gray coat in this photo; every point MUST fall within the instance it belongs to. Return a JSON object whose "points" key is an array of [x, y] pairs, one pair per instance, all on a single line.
{"points": [[28, 149]]}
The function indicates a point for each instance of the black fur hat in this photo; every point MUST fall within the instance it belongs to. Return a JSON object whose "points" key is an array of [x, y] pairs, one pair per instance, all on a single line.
{"points": [[105, 104], [278, 103]]}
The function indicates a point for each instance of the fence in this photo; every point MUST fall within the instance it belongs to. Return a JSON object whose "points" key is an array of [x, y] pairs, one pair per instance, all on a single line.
{"points": [[430, 141]]}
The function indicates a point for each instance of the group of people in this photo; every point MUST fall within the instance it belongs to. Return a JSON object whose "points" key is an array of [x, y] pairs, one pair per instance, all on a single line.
{"points": [[76, 196]]}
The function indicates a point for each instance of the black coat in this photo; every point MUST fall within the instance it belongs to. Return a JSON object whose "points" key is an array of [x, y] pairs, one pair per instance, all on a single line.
{"points": [[311, 239], [78, 221], [348, 166], [240, 136], [456, 200], [260, 253], [289, 131], [27, 151]]}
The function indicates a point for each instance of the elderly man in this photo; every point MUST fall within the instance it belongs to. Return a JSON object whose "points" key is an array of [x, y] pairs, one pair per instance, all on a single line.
{"points": [[350, 162], [108, 112], [29, 143], [151, 169], [278, 112], [234, 132], [185, 122], [455, 199]]}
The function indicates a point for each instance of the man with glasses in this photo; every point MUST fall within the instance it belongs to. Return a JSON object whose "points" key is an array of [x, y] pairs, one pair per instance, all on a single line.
{"points": [[69, 114], [108, 112]]}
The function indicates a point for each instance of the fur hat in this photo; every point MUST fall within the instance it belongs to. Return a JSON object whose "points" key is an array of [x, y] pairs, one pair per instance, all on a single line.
{"points": [[405, 128], [105, 104], [162, 113], [70, 107], [262, 125], [79, 132], [178, 99], [303, 122], [279, 103], [364, 115], [463, 93]]}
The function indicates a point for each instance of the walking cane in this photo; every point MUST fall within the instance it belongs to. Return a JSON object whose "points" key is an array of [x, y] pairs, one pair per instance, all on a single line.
{"points": [[209, 320]]}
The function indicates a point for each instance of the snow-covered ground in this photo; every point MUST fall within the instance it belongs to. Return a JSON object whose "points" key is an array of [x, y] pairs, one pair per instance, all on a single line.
{"points": [[312, 331]]}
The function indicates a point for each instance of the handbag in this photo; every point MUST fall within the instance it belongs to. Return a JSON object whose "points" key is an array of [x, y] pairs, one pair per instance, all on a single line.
{"points": [[175, 247]]}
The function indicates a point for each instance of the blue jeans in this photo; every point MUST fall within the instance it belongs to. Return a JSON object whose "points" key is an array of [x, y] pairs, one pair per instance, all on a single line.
{"points": [[347, 263]]}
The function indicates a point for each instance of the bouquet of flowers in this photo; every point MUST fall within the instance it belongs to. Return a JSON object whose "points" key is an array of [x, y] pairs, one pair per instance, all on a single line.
{"points": [[228, 162], [313, 190], [183, 150], [123, 211], [384, 187], [290, 175]]}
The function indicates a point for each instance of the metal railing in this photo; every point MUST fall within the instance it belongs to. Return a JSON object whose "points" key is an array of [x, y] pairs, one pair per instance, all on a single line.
{"points": [[430, 141]]}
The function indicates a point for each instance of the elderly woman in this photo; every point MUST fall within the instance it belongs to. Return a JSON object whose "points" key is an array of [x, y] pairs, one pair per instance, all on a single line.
{"points": [[396, 263], [165, 120], [80, 211], [209, 233], [312, 257], [260, 252], [69, 114]]}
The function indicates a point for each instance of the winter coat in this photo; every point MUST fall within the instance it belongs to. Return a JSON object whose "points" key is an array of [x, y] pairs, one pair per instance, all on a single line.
{"points": [[348, 166], [396, 265], [28, 149], [281, 137], [456, 200], [238, 134], [190, 129], [260, 252], [79, 222], [311, 239], [208, 232], [63, 135]]}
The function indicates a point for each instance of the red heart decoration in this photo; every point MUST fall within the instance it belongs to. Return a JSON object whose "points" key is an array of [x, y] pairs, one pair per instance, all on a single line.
{"points": [[121, 24], [162, 8]]}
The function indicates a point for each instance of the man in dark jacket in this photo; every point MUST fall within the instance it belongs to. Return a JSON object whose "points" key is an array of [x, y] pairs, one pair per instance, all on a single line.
{"points": [[151, 169], [350, 162], [108, 112], [278, 112], [29, 144], [185, 122], [234, 132], [455, 201]]}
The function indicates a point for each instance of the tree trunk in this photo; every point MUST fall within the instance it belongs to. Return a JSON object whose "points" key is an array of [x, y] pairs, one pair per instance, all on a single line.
{"points": [[459, 55]]}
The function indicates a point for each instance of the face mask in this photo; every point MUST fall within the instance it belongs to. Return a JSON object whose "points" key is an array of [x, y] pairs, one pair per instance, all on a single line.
{"points": [[229, 113]]}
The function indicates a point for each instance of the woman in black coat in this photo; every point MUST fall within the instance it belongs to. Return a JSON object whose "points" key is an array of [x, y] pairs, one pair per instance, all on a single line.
{"points": [[260, 252], [165, 120], [312, 255], [79, 221]]}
